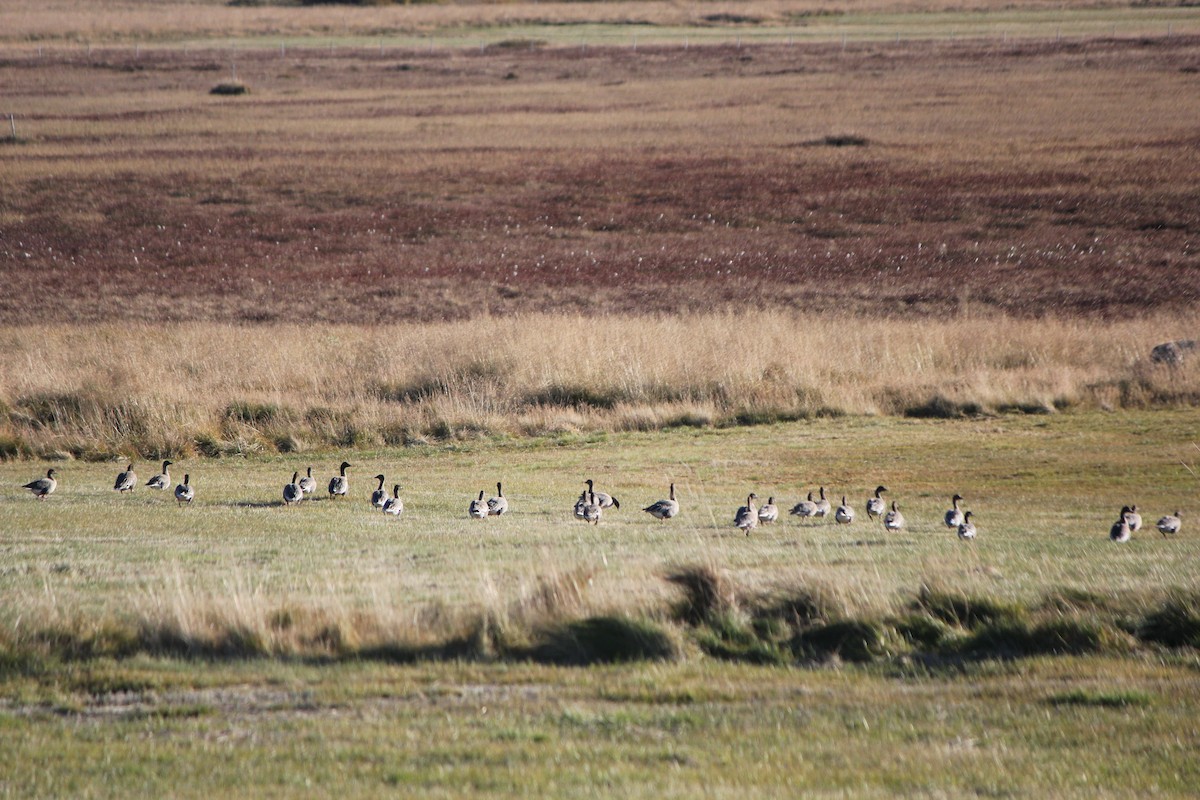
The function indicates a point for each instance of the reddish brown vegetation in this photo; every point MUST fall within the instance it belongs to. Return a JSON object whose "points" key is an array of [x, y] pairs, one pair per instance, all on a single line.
{"points": [[891, 179]]}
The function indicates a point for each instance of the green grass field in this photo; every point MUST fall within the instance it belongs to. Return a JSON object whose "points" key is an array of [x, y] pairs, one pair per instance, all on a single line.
{"points": [[293, 714]]}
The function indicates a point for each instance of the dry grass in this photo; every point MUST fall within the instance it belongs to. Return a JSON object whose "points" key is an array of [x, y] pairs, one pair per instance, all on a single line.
{"points": [[212, 389]]}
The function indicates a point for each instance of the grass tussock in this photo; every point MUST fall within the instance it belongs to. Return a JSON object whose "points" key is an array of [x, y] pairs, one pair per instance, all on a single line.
{"points": [[423, 383], [553, 622]]}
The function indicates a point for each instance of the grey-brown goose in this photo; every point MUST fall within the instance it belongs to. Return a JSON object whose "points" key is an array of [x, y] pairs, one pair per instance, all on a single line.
{"points": [[308, 484], [498, 505], [875, 505], [394, 505], [805, 508], [893, 520], [126, 480], [823, 505], [1119, 532], [664, 509], [954, 517], [379, 495], [966, 528], [1134, 519], [163, 479], [184, 491], [43, 486], [602, 499], [592, 509], [292, 492], [1169, 524], [746, 517], [339, 485], [769, 512], [844, 513], [478, 508]]}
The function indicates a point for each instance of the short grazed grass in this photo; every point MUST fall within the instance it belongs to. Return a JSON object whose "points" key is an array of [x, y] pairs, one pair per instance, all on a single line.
{"points": [[655, 730]]}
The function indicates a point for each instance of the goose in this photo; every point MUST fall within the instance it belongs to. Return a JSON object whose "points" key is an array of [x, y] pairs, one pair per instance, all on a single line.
{"points": [[580, 503], [746, 517], [1134, 519], [966, 528], [1169, 524], [184, 491], [664, 509], [592, 509], [823, 505], [497, 505], [1119, 532], [379, 495], [292, 492], [339, 486], [875, 505], [954, 517], [893, 520], [844, 513], [126, 481], [602, 499], [805, 508], [163, 479], [394, 505], [308, 484], [768, 513], [478, 508], [43, 486]]}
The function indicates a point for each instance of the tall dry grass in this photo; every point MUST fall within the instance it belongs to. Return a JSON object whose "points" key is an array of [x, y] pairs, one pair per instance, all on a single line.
{"points": [[100, 391]]}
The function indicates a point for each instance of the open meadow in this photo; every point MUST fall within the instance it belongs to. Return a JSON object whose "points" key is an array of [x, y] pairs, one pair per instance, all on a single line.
{"points": [[735, 247]]}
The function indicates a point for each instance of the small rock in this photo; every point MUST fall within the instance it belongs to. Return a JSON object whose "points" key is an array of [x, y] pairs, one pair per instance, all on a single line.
{"points": [[1172, 353]]}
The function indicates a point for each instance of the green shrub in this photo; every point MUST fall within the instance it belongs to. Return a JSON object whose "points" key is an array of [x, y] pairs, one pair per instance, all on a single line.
{"points": [[964, 611], [230, 88], [256, 414], [939, 407], [860, 641], [1175, 624], [726, 637], [922, 630], [1112, 699], [574, 396], [605, 640], [12, 447], [706, 594]]}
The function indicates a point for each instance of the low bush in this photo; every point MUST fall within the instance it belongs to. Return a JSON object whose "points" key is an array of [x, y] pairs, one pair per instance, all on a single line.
{"points": [[604, 640]]}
